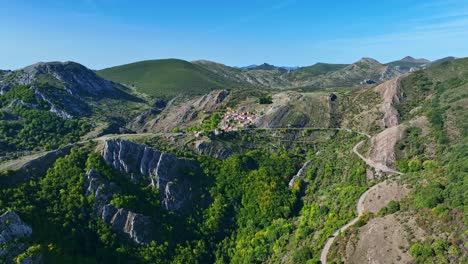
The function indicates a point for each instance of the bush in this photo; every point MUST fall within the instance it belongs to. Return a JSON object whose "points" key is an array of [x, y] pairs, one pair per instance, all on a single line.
{"points": [[421, 251], [302, 255], [429, 165], [429, 196], [265, 100], [414, 165], [402, 165], [391, 208], [440, 246]]}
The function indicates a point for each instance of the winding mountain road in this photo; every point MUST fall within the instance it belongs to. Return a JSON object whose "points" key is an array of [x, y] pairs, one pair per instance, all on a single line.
{"points": [[329, 243], [359, 205]]}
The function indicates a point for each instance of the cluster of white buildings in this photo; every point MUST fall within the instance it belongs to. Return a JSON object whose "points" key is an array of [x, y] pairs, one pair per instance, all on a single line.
{"points": [[234, 120]]}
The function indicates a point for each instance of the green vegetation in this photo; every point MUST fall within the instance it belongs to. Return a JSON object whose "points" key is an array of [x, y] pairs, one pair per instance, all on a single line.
{"points": [[243, 210], [437, 164], [406, 64], [32, 125], [331, 189], [251, 202], [208, 125], [165, 78], [317, 69], [391, 208], [249, 217], [265, 100]]}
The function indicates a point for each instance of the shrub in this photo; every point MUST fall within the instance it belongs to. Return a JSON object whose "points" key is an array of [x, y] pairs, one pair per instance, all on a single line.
{"points": [[302, 255], [265, 100], [391, 208], [421, 251], [440, 246], [429, 196], [414, 165], [429, 165]]}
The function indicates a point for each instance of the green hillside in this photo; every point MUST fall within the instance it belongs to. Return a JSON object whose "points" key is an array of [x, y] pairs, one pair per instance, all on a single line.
{"points": [[321, 68], [165, 78], [317, 69], [404, 64]]}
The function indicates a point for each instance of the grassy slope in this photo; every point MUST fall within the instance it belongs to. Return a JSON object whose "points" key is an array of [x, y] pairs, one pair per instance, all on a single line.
{"points": [[405, 64], [163, 78], [319, 69], [439, 190]]}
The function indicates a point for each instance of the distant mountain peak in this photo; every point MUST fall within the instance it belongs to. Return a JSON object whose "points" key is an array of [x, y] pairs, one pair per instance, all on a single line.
{"points": [[368, 60], [412, 59], [408, 58], [268, 67], [74, 76]]}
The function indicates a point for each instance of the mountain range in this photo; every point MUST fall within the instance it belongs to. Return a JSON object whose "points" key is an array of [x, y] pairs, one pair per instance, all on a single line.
{"points": [[150, 74], [170, 161]]}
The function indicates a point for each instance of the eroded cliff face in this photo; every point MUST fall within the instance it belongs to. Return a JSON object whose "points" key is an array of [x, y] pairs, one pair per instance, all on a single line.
{"points": [[131, 225], [383, 143], [12, 230], [75, 77], [391, 92], [180, 112], [169, 174]]}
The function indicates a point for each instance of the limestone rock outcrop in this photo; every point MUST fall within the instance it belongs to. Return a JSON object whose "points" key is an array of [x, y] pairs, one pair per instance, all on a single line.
{"points": [[179, 112], [75, 77], [169, 174], [12, 231], [131, 225], [301, 173]]}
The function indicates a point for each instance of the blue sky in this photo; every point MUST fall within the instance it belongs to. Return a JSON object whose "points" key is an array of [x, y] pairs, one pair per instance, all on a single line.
{"points": [[103, 33]]}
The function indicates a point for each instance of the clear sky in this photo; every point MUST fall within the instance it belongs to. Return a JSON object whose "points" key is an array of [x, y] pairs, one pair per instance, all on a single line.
{"points": [[103, 33]]}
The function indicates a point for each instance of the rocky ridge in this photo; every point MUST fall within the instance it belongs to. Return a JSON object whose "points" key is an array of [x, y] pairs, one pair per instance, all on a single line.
{"points": [[178, 115], [74, 77], [169, 174], [133, 226], [12, 231]]}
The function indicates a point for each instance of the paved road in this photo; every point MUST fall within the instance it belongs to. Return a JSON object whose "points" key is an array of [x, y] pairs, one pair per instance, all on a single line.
{"points": [[359, 205]]}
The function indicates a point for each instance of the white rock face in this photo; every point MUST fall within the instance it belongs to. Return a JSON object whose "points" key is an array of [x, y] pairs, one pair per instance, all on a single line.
{"points": [[136, 227], [12, 228], [166, 172], [75, 77], [301, 173], [53, 109]]}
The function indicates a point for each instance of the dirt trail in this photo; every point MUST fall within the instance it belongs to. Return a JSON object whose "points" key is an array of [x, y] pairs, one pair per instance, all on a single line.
{"points": [[359, 205], [360, 208], [21, 161], [18, 163]]}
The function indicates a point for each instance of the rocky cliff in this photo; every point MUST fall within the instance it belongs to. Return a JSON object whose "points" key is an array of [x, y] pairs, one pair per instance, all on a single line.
{"points": [[128, 224], [169, 174], [74, 77], [301, 173], [67, 87], [180, 112], [12, 231]]}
